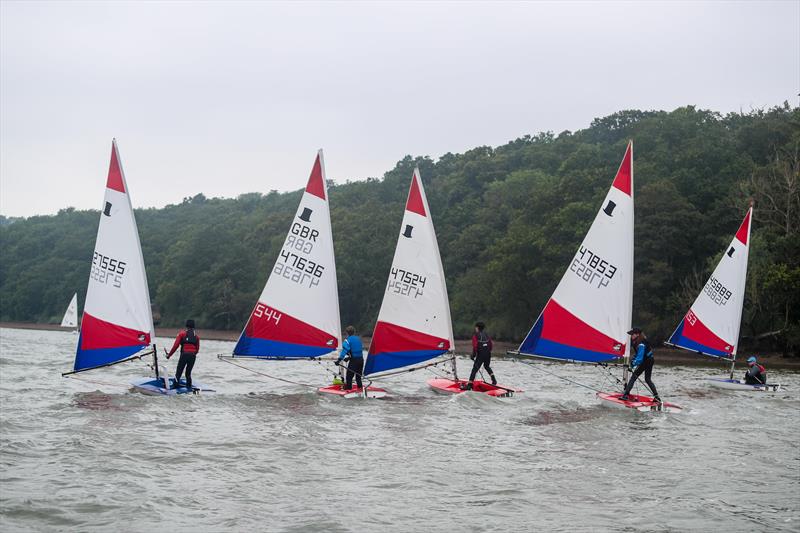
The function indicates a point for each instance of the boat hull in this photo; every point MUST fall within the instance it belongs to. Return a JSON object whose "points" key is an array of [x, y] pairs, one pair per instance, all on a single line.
{"points": [[155, 387], [637, 403], [736, 384], [449, 386], [355, 392]]}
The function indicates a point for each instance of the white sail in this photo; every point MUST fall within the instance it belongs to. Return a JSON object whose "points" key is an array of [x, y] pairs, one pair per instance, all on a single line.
{"points": [[70, 319], [117, 319], [711, 326], [414, 320], [297, 314], [589, 314]]}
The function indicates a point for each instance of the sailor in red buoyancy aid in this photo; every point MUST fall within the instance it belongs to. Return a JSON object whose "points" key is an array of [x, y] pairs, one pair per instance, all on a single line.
{"points": [[189, 343], [756, 374], [481, 353]]}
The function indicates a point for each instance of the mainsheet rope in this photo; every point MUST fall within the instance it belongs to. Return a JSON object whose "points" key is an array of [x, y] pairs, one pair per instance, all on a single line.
{"points": [[227, 360], [539, 367]]}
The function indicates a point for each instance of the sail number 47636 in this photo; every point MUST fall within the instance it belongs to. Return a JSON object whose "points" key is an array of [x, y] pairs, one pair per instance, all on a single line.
{"points": [[298, 269], [590, 267]]}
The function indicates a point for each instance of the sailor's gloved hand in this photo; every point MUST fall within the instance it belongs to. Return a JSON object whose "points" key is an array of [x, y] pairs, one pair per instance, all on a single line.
{"points": [[472, 356]]}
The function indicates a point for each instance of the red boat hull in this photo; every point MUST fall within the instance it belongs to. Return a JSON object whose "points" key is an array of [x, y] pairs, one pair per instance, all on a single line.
{"points": [[355, 392], [637, 402], [449, 386]]}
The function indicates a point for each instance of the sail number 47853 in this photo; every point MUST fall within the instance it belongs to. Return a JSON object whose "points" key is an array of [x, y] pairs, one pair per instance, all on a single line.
{"points": [[591, 268]]}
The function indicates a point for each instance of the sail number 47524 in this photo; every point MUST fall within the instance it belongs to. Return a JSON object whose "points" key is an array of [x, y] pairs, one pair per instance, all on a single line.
{"points": [[405, 283], [591, 268]]}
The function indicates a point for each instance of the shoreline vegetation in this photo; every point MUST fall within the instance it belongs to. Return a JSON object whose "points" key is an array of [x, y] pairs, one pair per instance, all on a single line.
{"points": [[509, 220], [665, 355]]}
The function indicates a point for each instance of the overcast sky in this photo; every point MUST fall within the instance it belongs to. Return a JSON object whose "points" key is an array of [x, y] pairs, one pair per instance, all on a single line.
{"points": [[228, 98]]}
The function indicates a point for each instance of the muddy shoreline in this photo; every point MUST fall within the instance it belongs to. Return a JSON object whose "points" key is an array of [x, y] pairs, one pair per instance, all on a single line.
{"points": [[664, 355]]}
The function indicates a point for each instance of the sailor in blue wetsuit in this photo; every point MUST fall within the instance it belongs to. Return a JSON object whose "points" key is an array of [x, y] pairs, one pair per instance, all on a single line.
{"points": [[353, 353], [642, 362]]}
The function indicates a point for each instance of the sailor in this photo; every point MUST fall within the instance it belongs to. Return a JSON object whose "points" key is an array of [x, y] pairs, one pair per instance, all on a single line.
{"points": [[642, 362], [353, 353], [189, 342], [481, 353], [756, 374]]}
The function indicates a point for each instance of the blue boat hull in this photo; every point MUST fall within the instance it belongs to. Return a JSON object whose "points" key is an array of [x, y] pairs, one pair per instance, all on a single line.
{"points": [[156, 387]]}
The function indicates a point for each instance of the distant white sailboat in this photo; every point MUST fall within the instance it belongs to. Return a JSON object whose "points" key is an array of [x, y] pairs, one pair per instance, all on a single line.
{"points": [[70, 319]]}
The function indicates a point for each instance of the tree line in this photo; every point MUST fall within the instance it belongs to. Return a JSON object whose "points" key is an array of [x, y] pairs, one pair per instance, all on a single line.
{"points": [[508, 219]]}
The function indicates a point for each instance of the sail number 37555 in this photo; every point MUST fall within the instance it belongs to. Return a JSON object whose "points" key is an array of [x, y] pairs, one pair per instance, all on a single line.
{"points": [[107, 270]]}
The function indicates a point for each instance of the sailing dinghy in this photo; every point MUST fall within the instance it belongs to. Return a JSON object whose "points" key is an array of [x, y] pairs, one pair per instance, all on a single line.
{"points": [[70, 319], [117, 323], [297, 315], [587, 318], [711, 326], [414, 329]]}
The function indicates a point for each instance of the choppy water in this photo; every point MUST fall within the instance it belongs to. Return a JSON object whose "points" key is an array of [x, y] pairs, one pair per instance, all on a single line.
{"points": [[266, 456]]}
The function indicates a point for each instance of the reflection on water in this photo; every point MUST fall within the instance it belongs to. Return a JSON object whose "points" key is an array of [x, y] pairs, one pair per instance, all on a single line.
{"points": [[265, 455]]}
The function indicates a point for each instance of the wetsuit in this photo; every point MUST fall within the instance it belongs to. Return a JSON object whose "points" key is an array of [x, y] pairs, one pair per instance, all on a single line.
{"points": [[482, 351], [189, 343], [352, 348], [756, 375], [643, 362]]}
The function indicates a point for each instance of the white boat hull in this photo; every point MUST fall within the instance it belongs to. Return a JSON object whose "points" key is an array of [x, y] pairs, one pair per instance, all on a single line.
{"points": [[737, 384]]}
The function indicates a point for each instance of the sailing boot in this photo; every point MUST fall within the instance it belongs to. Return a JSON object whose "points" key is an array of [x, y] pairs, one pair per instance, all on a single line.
{"points": [[494, 379]]}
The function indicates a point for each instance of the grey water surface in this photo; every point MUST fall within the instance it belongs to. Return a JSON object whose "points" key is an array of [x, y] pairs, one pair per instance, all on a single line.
{"points": [[262, 455]]}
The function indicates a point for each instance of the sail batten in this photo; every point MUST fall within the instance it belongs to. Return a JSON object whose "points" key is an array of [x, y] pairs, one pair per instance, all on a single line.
{"points": [[413, 323], [589, 313], [117, 320], [711, 326], [297, 314]]}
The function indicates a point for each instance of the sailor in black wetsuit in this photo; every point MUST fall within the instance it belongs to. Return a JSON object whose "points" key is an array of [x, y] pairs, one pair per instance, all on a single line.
{"points": [[481, 353], [756, 374], [189, 343]]}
